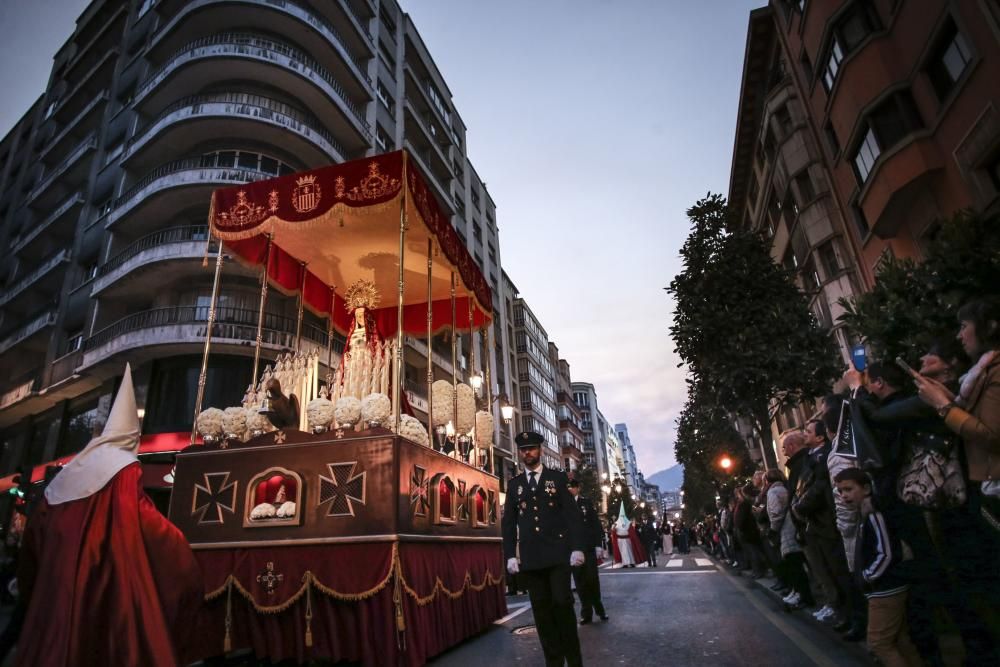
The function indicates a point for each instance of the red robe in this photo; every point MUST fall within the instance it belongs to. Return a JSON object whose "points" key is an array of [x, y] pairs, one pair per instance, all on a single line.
{"points": [[106, 579], [638, 552]]}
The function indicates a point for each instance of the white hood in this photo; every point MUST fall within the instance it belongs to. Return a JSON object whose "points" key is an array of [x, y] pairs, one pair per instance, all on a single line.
{"points": [[105, 455]]}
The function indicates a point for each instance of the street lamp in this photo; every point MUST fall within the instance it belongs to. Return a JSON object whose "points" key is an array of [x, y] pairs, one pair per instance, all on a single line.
{"points": [[726, 463], [506, 409]]}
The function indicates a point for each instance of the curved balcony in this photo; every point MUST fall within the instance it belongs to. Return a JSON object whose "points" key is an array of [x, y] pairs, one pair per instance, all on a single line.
{"points": [[244, 55], [29, 330], [194, 120], [171, 253], [173, 187], [161, 332], [275, 16], [43, 279]]}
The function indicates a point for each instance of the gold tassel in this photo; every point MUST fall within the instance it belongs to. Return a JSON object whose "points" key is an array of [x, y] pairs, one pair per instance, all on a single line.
{"points": [[227, 643], [309, 615]]}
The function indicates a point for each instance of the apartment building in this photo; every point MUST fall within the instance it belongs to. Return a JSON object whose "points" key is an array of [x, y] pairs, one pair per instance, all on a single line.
{"points": [[536, 382], [106, 180], [568, 413], [860, 125]]}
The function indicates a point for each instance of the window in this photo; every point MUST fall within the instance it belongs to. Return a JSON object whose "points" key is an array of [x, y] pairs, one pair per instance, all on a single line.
{"points": [[832, 64], [475, 199], [438, 101], [382, 139], [860, 220], [806, 65], [387, 20], [851, 28], [887, 125], [949, 60], [385, 98], [805, 185], [268, 165], [386, 56], [784, 120], [828, 259], [831, 139]]}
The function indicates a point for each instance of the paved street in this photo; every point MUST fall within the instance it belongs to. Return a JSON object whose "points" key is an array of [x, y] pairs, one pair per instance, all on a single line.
{"points": [[684, 613]]}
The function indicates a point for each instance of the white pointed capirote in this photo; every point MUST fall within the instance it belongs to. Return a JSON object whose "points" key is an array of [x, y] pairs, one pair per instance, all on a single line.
{"points": [[105, 455], [623, 521]]}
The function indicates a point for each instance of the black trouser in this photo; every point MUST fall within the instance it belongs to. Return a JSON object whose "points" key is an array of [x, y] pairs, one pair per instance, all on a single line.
{"points": [[651, 554], [555, 620], [588, 587], [793, 568]]}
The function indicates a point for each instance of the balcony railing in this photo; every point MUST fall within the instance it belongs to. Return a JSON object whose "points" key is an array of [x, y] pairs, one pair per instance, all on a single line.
{"points": [[88, 144], [233, 174], [74, 199], [245, 41], [46, 266], [154, 240], [230, 323], [246, 105], [46, 319]]}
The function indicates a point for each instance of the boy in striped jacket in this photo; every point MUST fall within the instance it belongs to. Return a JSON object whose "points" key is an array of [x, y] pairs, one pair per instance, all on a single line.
{"points": [[878, 567]]}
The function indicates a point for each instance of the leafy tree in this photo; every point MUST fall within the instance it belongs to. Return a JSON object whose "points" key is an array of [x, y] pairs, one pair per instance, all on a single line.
{"points": [[704, 436], [913, 303], [741, 325]]}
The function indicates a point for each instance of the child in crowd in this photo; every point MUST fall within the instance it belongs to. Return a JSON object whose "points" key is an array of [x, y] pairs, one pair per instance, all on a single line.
{"points": [[877, 560]]}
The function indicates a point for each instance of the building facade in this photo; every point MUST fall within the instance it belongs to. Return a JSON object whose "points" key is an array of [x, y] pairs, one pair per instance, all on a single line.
{"points": [[106, 181], [594, 450], [536, 382], [631, 466], [568, 413], [861, 124]]}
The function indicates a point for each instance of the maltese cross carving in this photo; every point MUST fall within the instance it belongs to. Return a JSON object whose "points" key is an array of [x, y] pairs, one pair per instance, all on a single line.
{"points": [[269, 579], [341, 488], [419, 502], [212, 497]]}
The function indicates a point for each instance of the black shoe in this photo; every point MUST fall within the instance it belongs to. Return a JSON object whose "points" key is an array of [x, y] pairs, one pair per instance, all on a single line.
{"points": [[604, 617], [778, 586], [584, 621]]}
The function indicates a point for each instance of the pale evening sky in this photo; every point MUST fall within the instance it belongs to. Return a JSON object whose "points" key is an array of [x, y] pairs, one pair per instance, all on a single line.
{"points": [[595, 124]]}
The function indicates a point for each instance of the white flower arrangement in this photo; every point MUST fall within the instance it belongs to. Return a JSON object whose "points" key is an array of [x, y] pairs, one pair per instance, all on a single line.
{"points": [[376, 408], [319, 412], [348, 410], [443, 397], [257, 421], [411, 429], [484, 429], [466, 409], [209, 422], [234, 421]]}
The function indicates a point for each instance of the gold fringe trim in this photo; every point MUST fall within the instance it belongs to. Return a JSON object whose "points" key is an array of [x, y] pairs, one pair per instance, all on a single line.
{"points": [[273, 223], [440, 588]]}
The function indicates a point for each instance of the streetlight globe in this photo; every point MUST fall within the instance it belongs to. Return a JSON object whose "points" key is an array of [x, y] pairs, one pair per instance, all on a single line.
{"points": [[726, 463], [476, 381]]}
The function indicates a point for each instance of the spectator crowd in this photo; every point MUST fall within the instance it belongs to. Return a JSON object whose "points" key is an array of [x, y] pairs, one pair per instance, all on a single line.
{"points": [[885, 519]]}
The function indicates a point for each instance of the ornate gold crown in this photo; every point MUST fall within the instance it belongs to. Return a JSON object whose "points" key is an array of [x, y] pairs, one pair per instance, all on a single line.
{"points": [[362, 294]]}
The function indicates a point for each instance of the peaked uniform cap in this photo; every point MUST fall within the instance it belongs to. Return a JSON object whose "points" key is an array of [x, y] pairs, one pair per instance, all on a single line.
{"points": [[528, 439]]}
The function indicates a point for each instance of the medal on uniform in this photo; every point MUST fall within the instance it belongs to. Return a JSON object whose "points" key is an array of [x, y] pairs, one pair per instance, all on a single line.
{"points": [[520, 489], [550, 487]]}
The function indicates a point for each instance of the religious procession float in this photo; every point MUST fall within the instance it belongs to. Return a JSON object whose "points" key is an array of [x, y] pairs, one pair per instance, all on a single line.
{"points": [[328, 521]]}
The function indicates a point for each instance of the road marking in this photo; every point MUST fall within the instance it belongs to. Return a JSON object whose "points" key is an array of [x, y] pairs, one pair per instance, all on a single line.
{"points": [[520, 609], [703, 562], [806, 646], [618, 573], [676, 563]]}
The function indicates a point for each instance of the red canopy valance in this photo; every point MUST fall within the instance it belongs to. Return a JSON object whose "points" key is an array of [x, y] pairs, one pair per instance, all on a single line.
{"points": [[340, 224]]}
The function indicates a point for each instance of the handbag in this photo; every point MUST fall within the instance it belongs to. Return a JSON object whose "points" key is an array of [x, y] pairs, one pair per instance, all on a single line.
{"points": [[932, 479]]}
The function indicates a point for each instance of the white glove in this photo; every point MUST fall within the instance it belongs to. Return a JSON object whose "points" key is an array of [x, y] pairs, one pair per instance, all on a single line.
{"points": [[599, 552], [512, 566], [576, 558]]}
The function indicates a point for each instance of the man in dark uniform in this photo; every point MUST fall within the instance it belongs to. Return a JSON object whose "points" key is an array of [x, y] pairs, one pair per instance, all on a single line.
{"points": [[588, 585], [541, 518]]}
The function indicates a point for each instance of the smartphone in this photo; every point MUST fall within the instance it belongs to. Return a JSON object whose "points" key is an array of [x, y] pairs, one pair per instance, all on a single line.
{"points": [[905, 366], [859, 358]]}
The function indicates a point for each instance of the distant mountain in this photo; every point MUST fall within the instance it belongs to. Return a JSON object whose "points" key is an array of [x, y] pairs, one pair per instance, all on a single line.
{"points": [[669, 479]]}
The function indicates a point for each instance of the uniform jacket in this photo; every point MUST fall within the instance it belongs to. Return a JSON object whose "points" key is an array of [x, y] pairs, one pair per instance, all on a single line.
{"points": [[593, 533], [979, 424], [546, 525]]}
